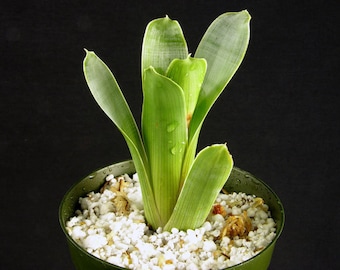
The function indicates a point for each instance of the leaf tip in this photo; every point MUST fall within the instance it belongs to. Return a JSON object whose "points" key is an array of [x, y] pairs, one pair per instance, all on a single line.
{"points": [[87, 52], [246, 15]]}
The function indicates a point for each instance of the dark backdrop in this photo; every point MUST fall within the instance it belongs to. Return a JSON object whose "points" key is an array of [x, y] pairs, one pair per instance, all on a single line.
{"points": [[279, 114]]}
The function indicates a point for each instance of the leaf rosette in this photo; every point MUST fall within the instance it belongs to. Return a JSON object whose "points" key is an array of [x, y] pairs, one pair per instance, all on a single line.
{"points": [[178, 186]]}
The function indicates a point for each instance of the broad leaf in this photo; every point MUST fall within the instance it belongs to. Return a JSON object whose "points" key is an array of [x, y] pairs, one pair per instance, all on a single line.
{"points": [[163, 41], [223, 46], [165, 137], [205, 180], [108, 95]]}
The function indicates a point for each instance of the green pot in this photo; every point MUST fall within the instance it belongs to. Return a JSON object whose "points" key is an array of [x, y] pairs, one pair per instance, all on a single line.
{"points": [[239, 181]]}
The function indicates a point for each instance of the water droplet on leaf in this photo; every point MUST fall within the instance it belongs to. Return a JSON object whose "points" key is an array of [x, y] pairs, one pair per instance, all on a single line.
{"points": [[173, 150], [171, 127]]}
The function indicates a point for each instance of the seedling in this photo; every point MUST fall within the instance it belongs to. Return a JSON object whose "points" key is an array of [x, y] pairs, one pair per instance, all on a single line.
{"points": [[178, 186]]}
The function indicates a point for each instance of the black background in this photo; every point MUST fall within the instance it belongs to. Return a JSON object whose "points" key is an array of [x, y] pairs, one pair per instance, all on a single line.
{"points": [[279, 114]]}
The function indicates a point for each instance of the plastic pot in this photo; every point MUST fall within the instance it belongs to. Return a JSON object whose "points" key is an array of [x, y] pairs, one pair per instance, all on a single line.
{"points": [[239, 181]]}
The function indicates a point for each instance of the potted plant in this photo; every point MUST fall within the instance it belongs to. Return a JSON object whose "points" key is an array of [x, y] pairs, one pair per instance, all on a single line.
{"points": [[179, 187]]}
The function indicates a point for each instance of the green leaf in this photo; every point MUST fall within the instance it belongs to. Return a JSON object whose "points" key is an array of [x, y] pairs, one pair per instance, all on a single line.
{"points": [[223, 46], [206, 178], [108, 95], [163, 41], [189, 74], [165, 137]]}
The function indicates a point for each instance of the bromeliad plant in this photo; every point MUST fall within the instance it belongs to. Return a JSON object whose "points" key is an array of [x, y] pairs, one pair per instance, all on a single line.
{"points": [[178, 186]]}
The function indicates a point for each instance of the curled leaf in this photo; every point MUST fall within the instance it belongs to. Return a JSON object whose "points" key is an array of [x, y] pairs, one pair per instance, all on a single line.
{"points": [[189, 74]]}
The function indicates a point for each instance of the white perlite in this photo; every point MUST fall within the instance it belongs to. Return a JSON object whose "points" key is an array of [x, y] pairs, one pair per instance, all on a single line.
{"points": [[111, 226]]}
